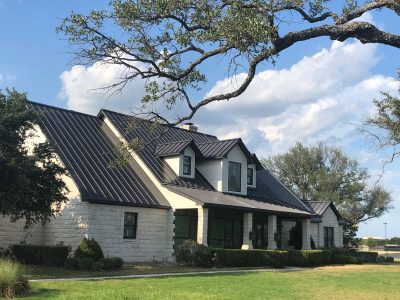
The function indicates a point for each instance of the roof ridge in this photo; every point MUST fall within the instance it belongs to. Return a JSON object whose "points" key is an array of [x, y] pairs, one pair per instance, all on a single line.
{"points": [[61, 108], [141, 119], [175, 142], [219, 141]]}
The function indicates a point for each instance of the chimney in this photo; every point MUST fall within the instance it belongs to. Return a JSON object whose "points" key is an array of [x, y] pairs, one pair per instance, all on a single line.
{"points": [[189, 126]]}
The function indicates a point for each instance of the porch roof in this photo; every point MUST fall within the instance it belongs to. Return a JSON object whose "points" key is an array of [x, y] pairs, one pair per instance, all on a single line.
{"points": [[215, 198]]}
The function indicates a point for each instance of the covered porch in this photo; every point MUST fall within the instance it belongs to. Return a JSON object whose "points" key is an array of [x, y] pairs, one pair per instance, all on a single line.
{"points": [[238, 228]]}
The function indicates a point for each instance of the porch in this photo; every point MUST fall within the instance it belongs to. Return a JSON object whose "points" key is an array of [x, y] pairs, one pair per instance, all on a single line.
{"points": [[233, 228]]}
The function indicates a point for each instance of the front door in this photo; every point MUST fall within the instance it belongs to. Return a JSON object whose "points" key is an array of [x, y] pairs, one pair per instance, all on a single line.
{"points": [[260, 235]]}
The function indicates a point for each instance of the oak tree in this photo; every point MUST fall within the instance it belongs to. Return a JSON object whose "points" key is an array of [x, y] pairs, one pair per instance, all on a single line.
{"points": [[323, 172], [167, 42], [31, 187]]}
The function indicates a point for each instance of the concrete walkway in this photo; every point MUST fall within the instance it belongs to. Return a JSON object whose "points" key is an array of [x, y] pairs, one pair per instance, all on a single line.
{"points": [[286, 269]]}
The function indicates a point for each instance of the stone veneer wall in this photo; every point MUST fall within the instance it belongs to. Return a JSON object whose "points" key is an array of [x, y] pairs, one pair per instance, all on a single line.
{"points": [[154, 235]]}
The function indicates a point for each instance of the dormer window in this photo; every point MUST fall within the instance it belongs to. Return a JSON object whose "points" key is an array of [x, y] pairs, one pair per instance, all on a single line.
{"points": [[234, 177], [250, 176], [187, 165]]}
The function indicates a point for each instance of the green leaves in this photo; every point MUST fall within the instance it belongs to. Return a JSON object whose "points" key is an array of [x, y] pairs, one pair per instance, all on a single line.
{"points": [[31, 187], [325, 173]]}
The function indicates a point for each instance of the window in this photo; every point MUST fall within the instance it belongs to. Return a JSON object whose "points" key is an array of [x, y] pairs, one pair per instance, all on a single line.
{"points": [[234, 176], [187, 165], [250, 176], [328, 237], [130, 224]]}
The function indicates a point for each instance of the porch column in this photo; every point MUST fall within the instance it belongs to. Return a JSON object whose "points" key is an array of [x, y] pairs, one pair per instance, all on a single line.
{"points": [[202, 225], [272, 228], [306, 231], [247, 228]]}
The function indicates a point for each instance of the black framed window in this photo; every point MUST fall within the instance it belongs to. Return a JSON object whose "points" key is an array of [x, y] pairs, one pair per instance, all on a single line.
{"points": [[187, 165], [250, 176], [130, 225], [234, 176], [328, 237]]}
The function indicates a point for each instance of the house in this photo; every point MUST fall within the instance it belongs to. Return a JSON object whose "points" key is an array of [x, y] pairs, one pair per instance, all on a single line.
{"points": [[182, 185], [326, 225]]}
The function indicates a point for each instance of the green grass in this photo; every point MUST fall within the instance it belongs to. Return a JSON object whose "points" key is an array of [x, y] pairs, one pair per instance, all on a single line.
{"points": [[44, 272], [339, 282]]}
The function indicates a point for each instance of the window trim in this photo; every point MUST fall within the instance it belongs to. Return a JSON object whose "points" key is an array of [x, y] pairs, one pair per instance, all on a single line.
{"points": [[134, 225], [252, 176], [190, 165], [240, 177]]}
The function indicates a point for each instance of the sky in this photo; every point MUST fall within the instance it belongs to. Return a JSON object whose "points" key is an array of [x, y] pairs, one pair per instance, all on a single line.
{"points": [[317, 91]]}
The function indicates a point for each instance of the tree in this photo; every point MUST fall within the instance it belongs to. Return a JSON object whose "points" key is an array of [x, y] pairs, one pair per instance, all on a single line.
{"points": [[322, 172], [370, 242], [31, 187], [384, 125], [167, 42]]}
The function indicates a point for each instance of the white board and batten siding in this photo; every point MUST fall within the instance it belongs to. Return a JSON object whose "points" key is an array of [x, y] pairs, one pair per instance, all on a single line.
{"points": [[329, 219]]}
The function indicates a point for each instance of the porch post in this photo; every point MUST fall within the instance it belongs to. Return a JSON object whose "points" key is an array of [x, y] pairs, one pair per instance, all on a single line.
{"points": [[272, 228], [202, 225], [306, 226], [247, 228]]}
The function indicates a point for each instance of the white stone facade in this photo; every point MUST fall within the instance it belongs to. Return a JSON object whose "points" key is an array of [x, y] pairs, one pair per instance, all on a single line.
{"points": [[104, 223]]}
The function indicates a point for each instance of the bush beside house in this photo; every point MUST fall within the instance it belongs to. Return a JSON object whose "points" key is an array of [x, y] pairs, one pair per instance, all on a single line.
{"points": [[89, 256], [40, 255]]}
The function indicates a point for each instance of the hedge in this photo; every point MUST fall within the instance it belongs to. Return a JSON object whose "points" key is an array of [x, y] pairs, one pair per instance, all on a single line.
{"points": [[272, 258], [41, 255], [194, 254]]}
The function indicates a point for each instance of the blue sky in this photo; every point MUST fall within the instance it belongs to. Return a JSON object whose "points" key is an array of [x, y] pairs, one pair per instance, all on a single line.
{"points": [[316, 91]]}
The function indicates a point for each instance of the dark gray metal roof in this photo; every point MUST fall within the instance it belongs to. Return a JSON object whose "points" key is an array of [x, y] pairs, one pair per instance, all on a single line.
{"points": [[174, 148], [268, 187], [214, 198], [86, 147], [142, 129], [319, 208]]}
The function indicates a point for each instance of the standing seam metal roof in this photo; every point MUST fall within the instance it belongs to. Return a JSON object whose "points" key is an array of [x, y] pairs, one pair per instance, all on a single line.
{"points": [[86, 149], [268, 187], [319, 208]]}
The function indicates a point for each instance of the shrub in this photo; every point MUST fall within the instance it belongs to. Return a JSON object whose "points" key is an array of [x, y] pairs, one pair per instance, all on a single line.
{"points": [[346, 259], [89, 249], [12, 280], [194, 254], [98, 265], [389, 259], [85, 263], [112, 263], [367, 257], [309, 258], [41, 255], [380, 259], [71, 263]]}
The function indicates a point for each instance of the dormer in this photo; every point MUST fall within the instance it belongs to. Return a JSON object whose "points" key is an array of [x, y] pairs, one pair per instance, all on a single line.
{"points": [[228, 166], [180, 156]]}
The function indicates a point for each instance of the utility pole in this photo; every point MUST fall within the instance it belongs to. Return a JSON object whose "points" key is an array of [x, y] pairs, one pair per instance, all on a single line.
{"points": [[385, 238]]}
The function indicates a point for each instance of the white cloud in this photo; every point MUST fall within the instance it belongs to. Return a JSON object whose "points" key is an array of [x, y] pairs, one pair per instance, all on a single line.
{"points": [[81, 87], [318, 98], [7, 77]]}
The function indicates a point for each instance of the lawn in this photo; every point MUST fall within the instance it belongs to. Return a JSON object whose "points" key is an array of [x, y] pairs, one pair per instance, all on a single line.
{"points": [[335, 282]]}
